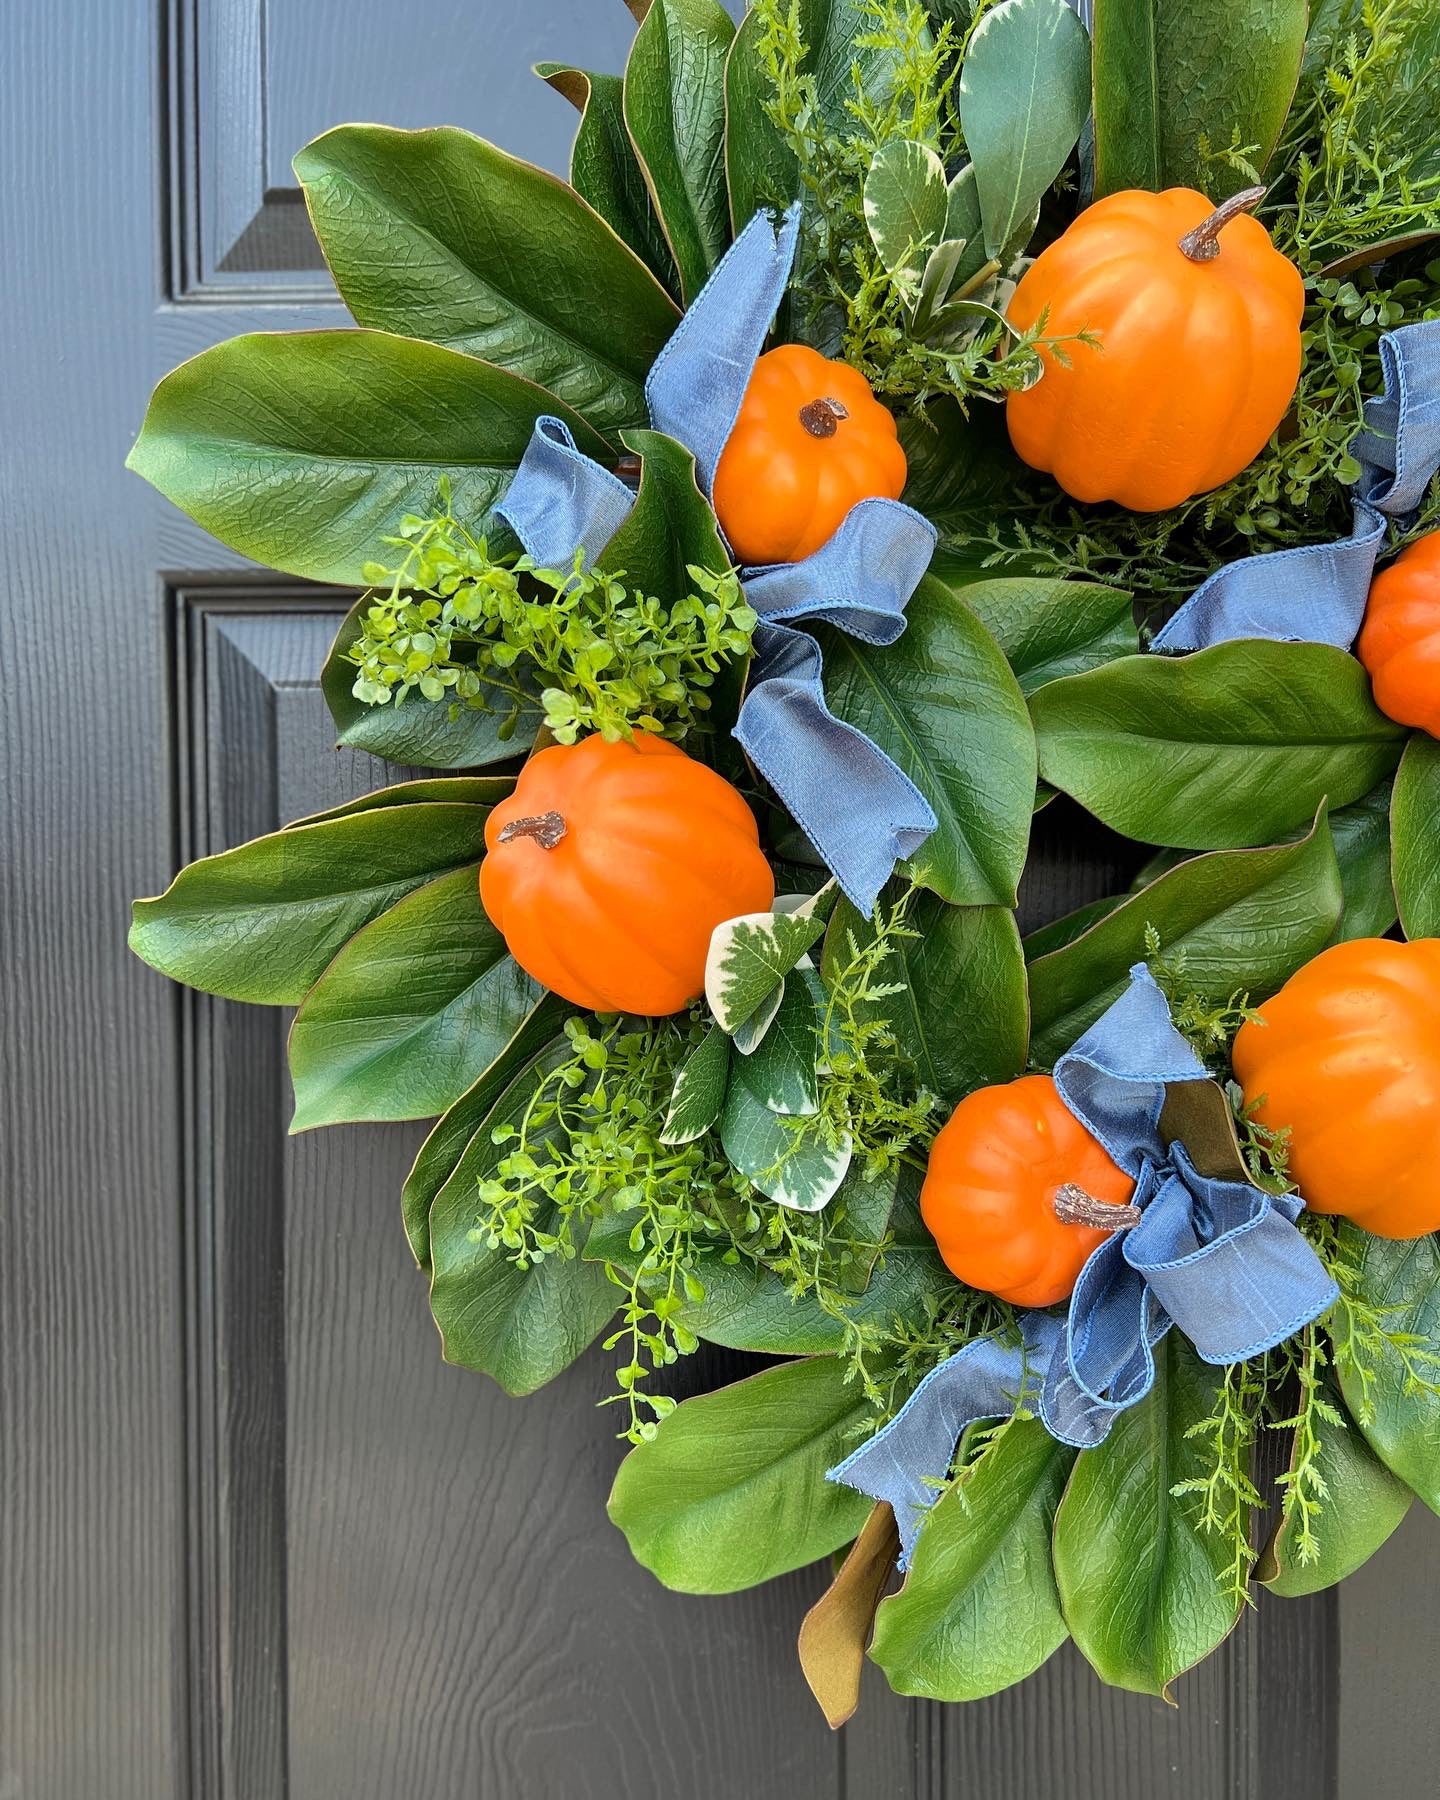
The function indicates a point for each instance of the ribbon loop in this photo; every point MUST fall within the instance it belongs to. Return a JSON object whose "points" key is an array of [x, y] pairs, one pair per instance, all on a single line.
{"points": [[559, 499]]}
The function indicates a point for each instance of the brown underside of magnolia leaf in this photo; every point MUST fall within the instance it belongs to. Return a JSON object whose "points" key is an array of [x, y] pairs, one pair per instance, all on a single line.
{"points": [[1198, 1115], [837, 1627]]}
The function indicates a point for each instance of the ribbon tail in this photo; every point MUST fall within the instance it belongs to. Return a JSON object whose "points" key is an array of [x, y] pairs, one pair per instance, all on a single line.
{"points": [[560, 500], [861, 811]]}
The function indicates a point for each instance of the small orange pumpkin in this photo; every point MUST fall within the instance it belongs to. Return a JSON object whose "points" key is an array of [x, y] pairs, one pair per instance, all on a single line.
{"points": [[1199, 351], [1000, 1195], [1399, 642], [810, 440], [610, 865], [1347, 1058]]}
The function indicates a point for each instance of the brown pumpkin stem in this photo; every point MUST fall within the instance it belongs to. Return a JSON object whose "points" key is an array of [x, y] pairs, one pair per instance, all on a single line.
{"points": [[547, 829], [1073, 1206], [628, 469], [821, 418], [1203, 243]]}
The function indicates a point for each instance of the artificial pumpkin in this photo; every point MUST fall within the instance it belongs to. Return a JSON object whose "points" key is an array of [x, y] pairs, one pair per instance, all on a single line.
{"points": [[1399, 642], [1198, 320], [809, 441], [610, 865], [1346, 1057], [1013, 1181]]}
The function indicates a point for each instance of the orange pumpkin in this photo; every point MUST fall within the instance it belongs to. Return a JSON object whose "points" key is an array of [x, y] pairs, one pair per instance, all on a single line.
{"points": [[1399, 642], [810, 440], [610, 865], [1198, 320], [992, 1197], [1348, 1060]]}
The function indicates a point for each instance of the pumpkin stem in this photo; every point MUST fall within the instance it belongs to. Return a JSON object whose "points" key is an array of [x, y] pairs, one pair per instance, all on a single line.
{"points": [[821, 418], [547, 829], [1203, 243], [628, 469], [1073, 1206]]}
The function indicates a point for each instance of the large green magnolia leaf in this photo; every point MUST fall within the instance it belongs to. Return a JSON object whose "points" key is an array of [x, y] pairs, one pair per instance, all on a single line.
{"points": [[674, 101], [1235, 745], [261, 922], [1392, 1392], [520, 1326], [964, 1015], [437, 234], [1024, 99], [535, 1035], [1415, 847], [304, 449], [1362, 848], [979, 1610], [420, 733], [959, 471], [604, 170], [1363, 1504], [410, 1012], [943, 703], [1141, 1585], [463, 790], [1172, 78], [1049, 629], [670, 527], [1243, 919], [732, 1491]]}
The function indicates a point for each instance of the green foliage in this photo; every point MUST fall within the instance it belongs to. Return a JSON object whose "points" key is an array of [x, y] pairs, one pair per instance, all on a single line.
{"points": [[457, 625], [1207, 1022], [1415, 844], [1224, 1487]]}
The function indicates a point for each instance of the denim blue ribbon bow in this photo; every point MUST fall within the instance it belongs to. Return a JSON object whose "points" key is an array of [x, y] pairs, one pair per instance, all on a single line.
{"points": [[855, 805], [1316, 593], [1216, 1257]]}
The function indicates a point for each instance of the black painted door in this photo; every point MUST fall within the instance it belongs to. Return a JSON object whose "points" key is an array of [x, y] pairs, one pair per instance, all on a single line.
{"points": [[257, 1542]]}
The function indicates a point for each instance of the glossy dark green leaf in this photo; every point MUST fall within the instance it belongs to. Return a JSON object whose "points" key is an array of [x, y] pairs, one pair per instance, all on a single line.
{"points": [[959, 470], [1064, 930], [536, 1033], [1141, 1585], [1171, 78], [1362, 1505], [943, 703], [261, 922], [410, 1012], [304, 449], [674, 100], [1362, 848], [462, 790], [1397, 1409], [522, 1327], [964, 1015], [1244, 919], [979, 1609], [421, 733], [1024, 98], [1050, 629], [670, 526], [605, 171], [1415, 832], [438, 235], [1235, 745], [732, 1490]]}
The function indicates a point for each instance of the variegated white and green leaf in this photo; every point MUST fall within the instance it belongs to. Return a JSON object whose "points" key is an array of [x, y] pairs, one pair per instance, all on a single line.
{"points": [[749, 1033], [803, 1174], [751, 955], [905, 205], [698, 1096], [781, 1074]]}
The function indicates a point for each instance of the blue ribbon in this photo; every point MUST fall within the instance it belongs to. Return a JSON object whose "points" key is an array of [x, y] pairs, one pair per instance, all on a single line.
{"points": [[1219, 1258], [858, 808], [1317, 593]]}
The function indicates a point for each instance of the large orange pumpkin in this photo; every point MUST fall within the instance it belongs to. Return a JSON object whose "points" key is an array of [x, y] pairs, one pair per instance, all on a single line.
{"points": [[1399, 642], [1348, 1060], [610, 865], [1198, 320], [810, 440], [992, 1197]]}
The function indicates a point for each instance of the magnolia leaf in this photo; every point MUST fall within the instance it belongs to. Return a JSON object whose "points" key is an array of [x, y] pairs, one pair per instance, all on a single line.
{"points": [[979, 1610], [905, 204], [409, 1013], [731, 1490], [1234, 745], [1050, 629], [436, 234], [261, 922], [464, 790], [781, 1072], [698, 1095], [1363, 850], [959, 470], [1024, 99], [1062, 931], [761, 1145], [751, 955], [1143, 1587], [835, 1631], [1415, 849], [1244, 920], [671, 525]]}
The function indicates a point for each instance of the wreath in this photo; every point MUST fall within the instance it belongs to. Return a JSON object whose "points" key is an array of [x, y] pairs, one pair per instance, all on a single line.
{"points": [[907, 419]]}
